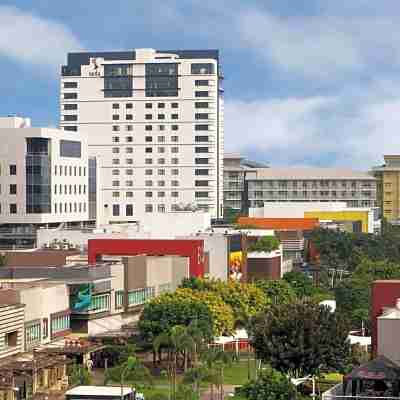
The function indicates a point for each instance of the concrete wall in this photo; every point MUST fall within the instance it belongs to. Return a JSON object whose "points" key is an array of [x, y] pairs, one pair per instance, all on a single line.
{"points": [[388, 338], [180, 270], [293, 210]]}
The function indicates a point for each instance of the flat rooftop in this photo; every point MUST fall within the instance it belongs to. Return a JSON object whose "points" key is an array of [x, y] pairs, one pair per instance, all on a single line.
{"points": [[98, 391], [310, 173]]}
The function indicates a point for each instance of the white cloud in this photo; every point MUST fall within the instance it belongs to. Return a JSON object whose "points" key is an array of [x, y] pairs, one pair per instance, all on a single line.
{"points": [[28, 38], [321, 46], [330, 131]]}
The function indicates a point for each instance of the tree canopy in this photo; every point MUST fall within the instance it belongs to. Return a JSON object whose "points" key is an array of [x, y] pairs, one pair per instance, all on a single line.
{"points": [[279, 291], [265, 244], [300, 338]]}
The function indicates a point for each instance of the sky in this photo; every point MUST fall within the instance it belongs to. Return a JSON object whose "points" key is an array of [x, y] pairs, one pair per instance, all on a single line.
{"points": [[307, 82]]}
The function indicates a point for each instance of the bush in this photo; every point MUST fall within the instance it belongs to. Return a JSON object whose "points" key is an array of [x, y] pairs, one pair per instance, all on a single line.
{"points": [[270, 385], [265, 243]]}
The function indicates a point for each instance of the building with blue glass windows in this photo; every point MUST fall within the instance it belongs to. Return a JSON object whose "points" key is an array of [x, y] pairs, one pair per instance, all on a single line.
{"points": [[44, 176]]}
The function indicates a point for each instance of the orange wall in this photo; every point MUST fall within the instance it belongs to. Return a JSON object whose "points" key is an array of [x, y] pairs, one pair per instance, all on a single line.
{"points": [[281, 223]]}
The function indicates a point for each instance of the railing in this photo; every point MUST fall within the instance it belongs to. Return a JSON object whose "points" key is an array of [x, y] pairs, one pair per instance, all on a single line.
{"points": [[140, 296], [336, 393]]}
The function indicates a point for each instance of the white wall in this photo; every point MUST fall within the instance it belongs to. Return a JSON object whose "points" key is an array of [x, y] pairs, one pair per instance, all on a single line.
{"points": [[293, 209]]}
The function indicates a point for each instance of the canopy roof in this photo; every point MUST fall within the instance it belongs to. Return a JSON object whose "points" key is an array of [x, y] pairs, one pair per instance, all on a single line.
{"points": [[381, 368]]}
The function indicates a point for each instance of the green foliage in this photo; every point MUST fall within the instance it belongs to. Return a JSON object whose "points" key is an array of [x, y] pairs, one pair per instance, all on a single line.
{"points": [[245, 299], [300, 283], [265, 243], [132, 371], [279, 291], [300, 338], [353, 294], [231, 215], [3, 259], [270, 385], [348, 249], [170, 309], [79, 375]]}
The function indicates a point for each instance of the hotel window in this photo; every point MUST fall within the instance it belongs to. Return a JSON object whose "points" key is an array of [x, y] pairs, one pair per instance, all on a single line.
{"points": [[13, 208], [174, 172], [129, 161], [115, 139], [148, 208], [148, 183], [149, 105], [201, 104], [174, 139], [174, 116], [201, 138], [174, 161], [148, 116], [148, 138], [129, 183], [161, 127], [115, 117], [115, 183], [129, 194], [148, 149], [174, 105], [161, 208], [129, 117], [149, 194], [13, 188], [115, 106], [161, 116], [201, 128], [129, 210], [201, 150], [201, 172], [201, 93], [115, 128], [201, 82], [70, 85], [148, 161], [129, 139], [161, 194], [115, 150], [174, 149], [129, 171], [161, 161], [161, 139], [70, 96], [161, 183], [174, 183], [202, 69], [174, 194], [115, 194], [129, 128], [13, 169], [161, 149], [201, 195], [161, 105], [148, 128], [129, 150], [148, 172], [129, 105], [115, 161], [70, 107], [161, 172], [174, 127], [115, 210], [115, 171]]}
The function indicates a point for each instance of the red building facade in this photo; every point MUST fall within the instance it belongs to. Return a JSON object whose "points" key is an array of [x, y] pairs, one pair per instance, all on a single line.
{"points": [[193, 249]]}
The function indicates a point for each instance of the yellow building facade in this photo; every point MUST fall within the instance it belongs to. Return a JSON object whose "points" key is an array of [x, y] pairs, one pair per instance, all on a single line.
{"points": [[363, 216], [388, 187]]}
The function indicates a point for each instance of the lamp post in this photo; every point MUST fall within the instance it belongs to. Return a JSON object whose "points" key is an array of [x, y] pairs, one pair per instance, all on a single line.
{"points": [[130, 364]]}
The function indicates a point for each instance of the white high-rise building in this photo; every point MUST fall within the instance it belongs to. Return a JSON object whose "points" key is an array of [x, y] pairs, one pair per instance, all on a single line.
{"points": [[154, 121], [44, 179]]}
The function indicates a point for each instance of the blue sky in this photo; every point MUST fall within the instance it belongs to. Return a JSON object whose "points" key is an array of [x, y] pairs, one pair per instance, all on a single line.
{"points": [[308, 82]]}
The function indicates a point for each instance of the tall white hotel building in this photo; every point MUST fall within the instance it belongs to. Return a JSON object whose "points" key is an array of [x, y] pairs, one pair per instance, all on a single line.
{"points": [[155, 127]]}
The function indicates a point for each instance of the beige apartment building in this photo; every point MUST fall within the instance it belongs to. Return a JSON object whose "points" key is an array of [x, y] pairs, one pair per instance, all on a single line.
{"points": [[388, 187]]}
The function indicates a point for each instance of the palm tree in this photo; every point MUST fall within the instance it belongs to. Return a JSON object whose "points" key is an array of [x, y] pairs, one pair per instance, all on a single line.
{"points": [[177, 340], [132, 371]]}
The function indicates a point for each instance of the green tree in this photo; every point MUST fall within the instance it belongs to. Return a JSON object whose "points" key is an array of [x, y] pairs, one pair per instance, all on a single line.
{"points": [[279, 291], [300, 338], [231, 215], [353, 294], [300, 283], [270, 385], [131, 370], [79, 375], [171, 309], [177, 340], [265, 244]]}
